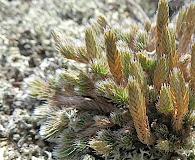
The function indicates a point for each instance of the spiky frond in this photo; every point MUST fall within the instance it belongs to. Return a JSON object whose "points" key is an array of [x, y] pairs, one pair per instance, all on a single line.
{"points": [[148, 64], [126, 56], [189, 29], [100, 68], [169, 47], [163, 145], [113, 56], [161, 23], [166, 41], [106, 135], [161, 72], [103, 122], [100, 147], [124, 35], [118, 118], [41, 89], [165, 104], [67, 78], [92, 48], [133, 31], [79, 80], [140, 41], [69, 50], [181, 22], [184, 65], [137, 108], [71, 147], [180, 96], [125, 141], [112, 91], [162, 16], [56, 122], [136, 71], [102, 23], [147, 25]]}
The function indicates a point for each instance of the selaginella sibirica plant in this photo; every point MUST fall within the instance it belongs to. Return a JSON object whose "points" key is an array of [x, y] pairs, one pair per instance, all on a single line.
{"points": [[132, 96]]}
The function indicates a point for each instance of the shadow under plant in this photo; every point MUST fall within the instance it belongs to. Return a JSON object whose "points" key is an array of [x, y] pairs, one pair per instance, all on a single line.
{"points": [[131, 94]]}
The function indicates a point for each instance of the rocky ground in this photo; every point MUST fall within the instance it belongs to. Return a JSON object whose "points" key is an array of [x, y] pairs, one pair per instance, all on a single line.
{"points": [[27, 50]]}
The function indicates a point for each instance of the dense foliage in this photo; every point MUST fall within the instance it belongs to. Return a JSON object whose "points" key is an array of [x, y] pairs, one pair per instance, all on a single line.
{"points": [[131, 94]]}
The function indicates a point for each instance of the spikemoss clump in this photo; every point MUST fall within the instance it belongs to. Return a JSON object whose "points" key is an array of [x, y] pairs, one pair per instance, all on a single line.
{"points": [[134, 97]]}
